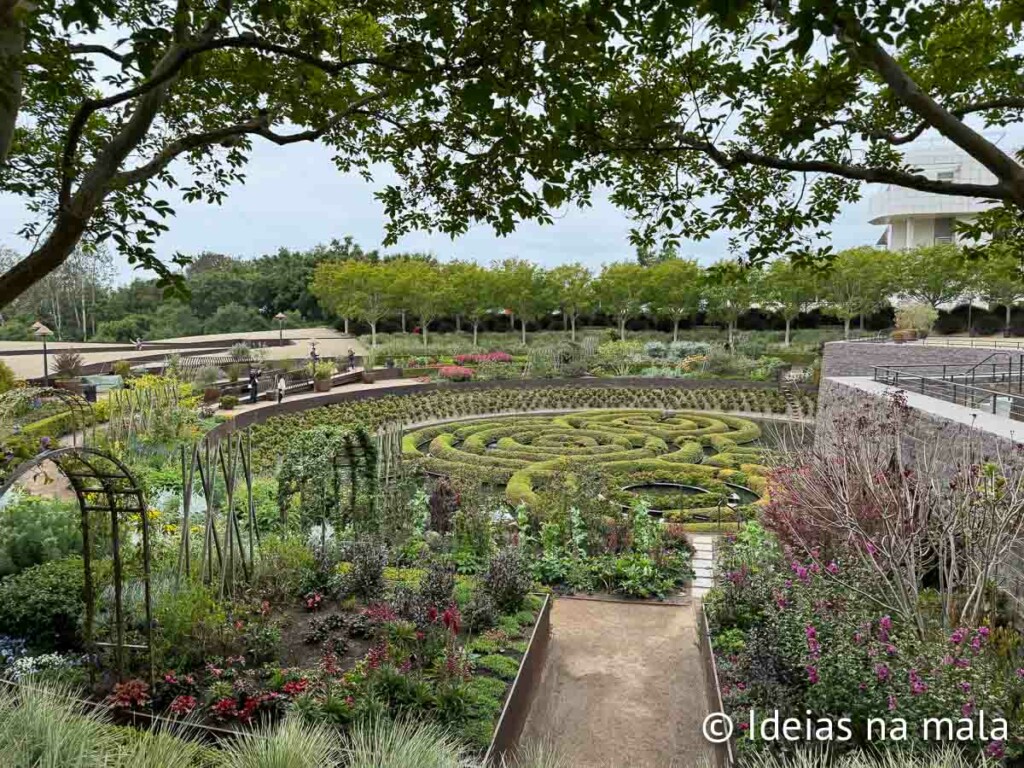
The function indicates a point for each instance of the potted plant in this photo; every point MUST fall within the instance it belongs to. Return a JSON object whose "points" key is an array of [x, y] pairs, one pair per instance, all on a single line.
{"points": [[914, 321], [68, 369], [369, 363], [206, 379], [321, 373], [227, 402]]}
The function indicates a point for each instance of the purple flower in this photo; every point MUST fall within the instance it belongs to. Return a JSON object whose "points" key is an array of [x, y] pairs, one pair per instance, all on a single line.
{"points": [[984, 631], [995, 750], [891, 649], [967, 710], [812, 674], [884, 628], [958, 636], [810, 632], [832, 568], [1020, 673], [965, 687], [892, 702], [882, 672]]}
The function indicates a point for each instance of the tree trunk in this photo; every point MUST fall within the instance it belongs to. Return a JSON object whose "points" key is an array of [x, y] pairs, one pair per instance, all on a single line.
{"points": [[403, 321], [675, 329], [846, 328], [732, 347], [622, 328], [346, 326], [862, 322], [522, 323], [512, 320], [76, 213], [373, 334], [573, 332], [476, 325], [12, 43], [423, 330], [458, 323], [1009, 309], [789, 322]]}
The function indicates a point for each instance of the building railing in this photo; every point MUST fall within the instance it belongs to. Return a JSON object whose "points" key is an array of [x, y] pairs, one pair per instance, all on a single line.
{"points": [[960, 390]]}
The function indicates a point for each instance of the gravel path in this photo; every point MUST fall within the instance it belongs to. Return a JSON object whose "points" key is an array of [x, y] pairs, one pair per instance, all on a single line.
{"points": [[623, 686]]}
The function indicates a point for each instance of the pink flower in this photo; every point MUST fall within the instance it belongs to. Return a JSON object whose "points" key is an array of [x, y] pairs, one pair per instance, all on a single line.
{"points": [[995, 750], [958, 636], [892, 702], [812, 674], [832, 568], [965, 687], [967, 710], [882, 672]]}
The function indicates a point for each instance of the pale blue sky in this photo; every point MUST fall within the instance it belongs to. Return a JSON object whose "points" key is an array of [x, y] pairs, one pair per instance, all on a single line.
{"points": [[294, 197]]}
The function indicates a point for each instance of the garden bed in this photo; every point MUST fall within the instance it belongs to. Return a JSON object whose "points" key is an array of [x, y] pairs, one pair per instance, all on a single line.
{"points": [[517, 704]]}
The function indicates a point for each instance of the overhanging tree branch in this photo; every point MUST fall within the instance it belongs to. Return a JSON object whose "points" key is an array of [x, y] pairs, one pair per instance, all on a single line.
{"points": [[1002, 166], [730, 160], [173, 63], [258, 126], [103, 50]]}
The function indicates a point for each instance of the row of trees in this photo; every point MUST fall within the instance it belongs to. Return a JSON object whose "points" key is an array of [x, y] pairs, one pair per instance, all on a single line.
{"points": [[856, 283]]}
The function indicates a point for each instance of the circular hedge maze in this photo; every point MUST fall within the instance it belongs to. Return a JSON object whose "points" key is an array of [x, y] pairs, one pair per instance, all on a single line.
{"points": [[701, 458]]}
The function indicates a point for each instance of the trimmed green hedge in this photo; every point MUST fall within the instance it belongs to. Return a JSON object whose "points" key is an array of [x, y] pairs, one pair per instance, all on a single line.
{"points": [[271, 438], [629, 445]]}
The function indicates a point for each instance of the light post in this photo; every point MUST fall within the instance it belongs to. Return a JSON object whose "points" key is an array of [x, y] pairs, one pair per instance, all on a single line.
{"points": [[42, 332], [280, 317]]}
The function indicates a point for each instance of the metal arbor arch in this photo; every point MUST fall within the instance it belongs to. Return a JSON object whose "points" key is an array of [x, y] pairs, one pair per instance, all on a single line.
{"points": [[82, 414], [102, 484]]}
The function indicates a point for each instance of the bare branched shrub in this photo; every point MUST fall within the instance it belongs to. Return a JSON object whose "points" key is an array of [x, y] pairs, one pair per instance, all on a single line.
{"points": [[911, 506]]}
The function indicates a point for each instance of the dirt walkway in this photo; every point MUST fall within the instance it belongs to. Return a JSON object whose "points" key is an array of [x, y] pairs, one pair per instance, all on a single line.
{"points": [[623, 687]]}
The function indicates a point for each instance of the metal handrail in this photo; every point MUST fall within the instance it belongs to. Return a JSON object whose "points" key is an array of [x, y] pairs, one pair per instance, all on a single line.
{"points": [[968, 395]]}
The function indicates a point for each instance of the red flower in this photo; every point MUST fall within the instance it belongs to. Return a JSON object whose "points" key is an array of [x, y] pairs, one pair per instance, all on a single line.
{"points": [[183, 705], [129, 695], [452, 618], [225, 708], [380, 613], [295, 687]]}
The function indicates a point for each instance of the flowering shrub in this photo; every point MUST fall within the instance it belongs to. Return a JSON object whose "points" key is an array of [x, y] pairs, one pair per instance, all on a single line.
{"points": [[131, 694], [797, 636], [455, 373], [484, 357], [183, 705], [27, 666]]}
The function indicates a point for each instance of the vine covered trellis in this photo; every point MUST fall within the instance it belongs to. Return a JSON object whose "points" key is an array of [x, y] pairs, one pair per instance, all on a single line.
{"points": [[324, 471], [216, 467]]}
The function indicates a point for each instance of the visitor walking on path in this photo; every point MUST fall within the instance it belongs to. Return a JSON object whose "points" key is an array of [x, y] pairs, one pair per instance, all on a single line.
{"points": [[280, 388], [254, 384]]}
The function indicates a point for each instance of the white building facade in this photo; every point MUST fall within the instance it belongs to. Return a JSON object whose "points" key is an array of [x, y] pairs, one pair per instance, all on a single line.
{"points": [[913, 218]]}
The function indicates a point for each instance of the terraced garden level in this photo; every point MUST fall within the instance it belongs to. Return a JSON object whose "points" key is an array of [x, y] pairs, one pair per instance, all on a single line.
{"points": [[712, 454]]}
